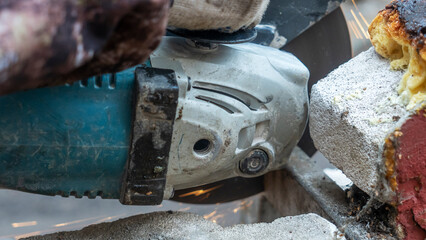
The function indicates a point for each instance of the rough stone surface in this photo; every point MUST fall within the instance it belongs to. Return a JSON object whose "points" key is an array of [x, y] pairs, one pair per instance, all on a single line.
{"points": [[353, 110], [180, 225]]}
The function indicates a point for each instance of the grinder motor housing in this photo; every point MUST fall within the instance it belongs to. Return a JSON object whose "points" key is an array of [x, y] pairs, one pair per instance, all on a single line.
{"points": [[193, 114]]}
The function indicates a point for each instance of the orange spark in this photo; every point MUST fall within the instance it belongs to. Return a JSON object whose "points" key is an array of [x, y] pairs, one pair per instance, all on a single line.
{"points": [[200, 192], [24, 224], [184, 209], [217, 217], [359, 25], [363, 19], [353, 1], [243, 205], [77, 221], [354, 29], [209, 215], [27, 235]]}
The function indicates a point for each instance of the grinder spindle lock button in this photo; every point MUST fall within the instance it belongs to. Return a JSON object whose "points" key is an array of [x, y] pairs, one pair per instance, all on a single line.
{"points": [[255, 162], [190, 116]]}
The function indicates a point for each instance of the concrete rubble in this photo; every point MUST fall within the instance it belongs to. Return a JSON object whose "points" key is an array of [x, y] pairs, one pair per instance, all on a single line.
{"points": [[182, 225]]}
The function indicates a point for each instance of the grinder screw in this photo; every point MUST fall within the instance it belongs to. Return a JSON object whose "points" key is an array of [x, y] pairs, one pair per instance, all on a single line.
{"points": [[255, 162]]}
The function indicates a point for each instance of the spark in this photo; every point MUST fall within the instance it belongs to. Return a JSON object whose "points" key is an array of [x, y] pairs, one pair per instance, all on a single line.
{"points": [[364, 20], [205, 196], [109, 218], [184, 209], [217, 217], [200, 192], [24, 224], [243, 205], [213, 216], [359, 25], [74, 222], [353, 2], [354, 29], [249, 203], [210, 215], [27, 235]]}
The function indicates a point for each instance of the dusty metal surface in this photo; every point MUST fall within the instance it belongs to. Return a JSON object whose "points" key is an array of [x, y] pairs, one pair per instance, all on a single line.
{"points": [[335, 48], [155, 109], [233, 100], [70, 140]]}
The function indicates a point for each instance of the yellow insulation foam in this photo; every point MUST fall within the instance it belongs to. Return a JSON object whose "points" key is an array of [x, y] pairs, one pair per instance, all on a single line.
{"points": [[390, 41]]}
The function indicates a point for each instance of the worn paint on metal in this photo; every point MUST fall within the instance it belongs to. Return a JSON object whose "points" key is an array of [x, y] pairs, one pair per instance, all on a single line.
{"points": [[155, 109], [68, 140]]}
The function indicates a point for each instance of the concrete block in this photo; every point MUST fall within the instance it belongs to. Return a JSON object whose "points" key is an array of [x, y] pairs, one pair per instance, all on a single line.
{"points": [[361, 125], [181, 225]]}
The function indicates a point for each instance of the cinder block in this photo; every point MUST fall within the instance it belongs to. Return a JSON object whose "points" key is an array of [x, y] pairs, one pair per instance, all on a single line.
{"points": [[359, 123]]}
